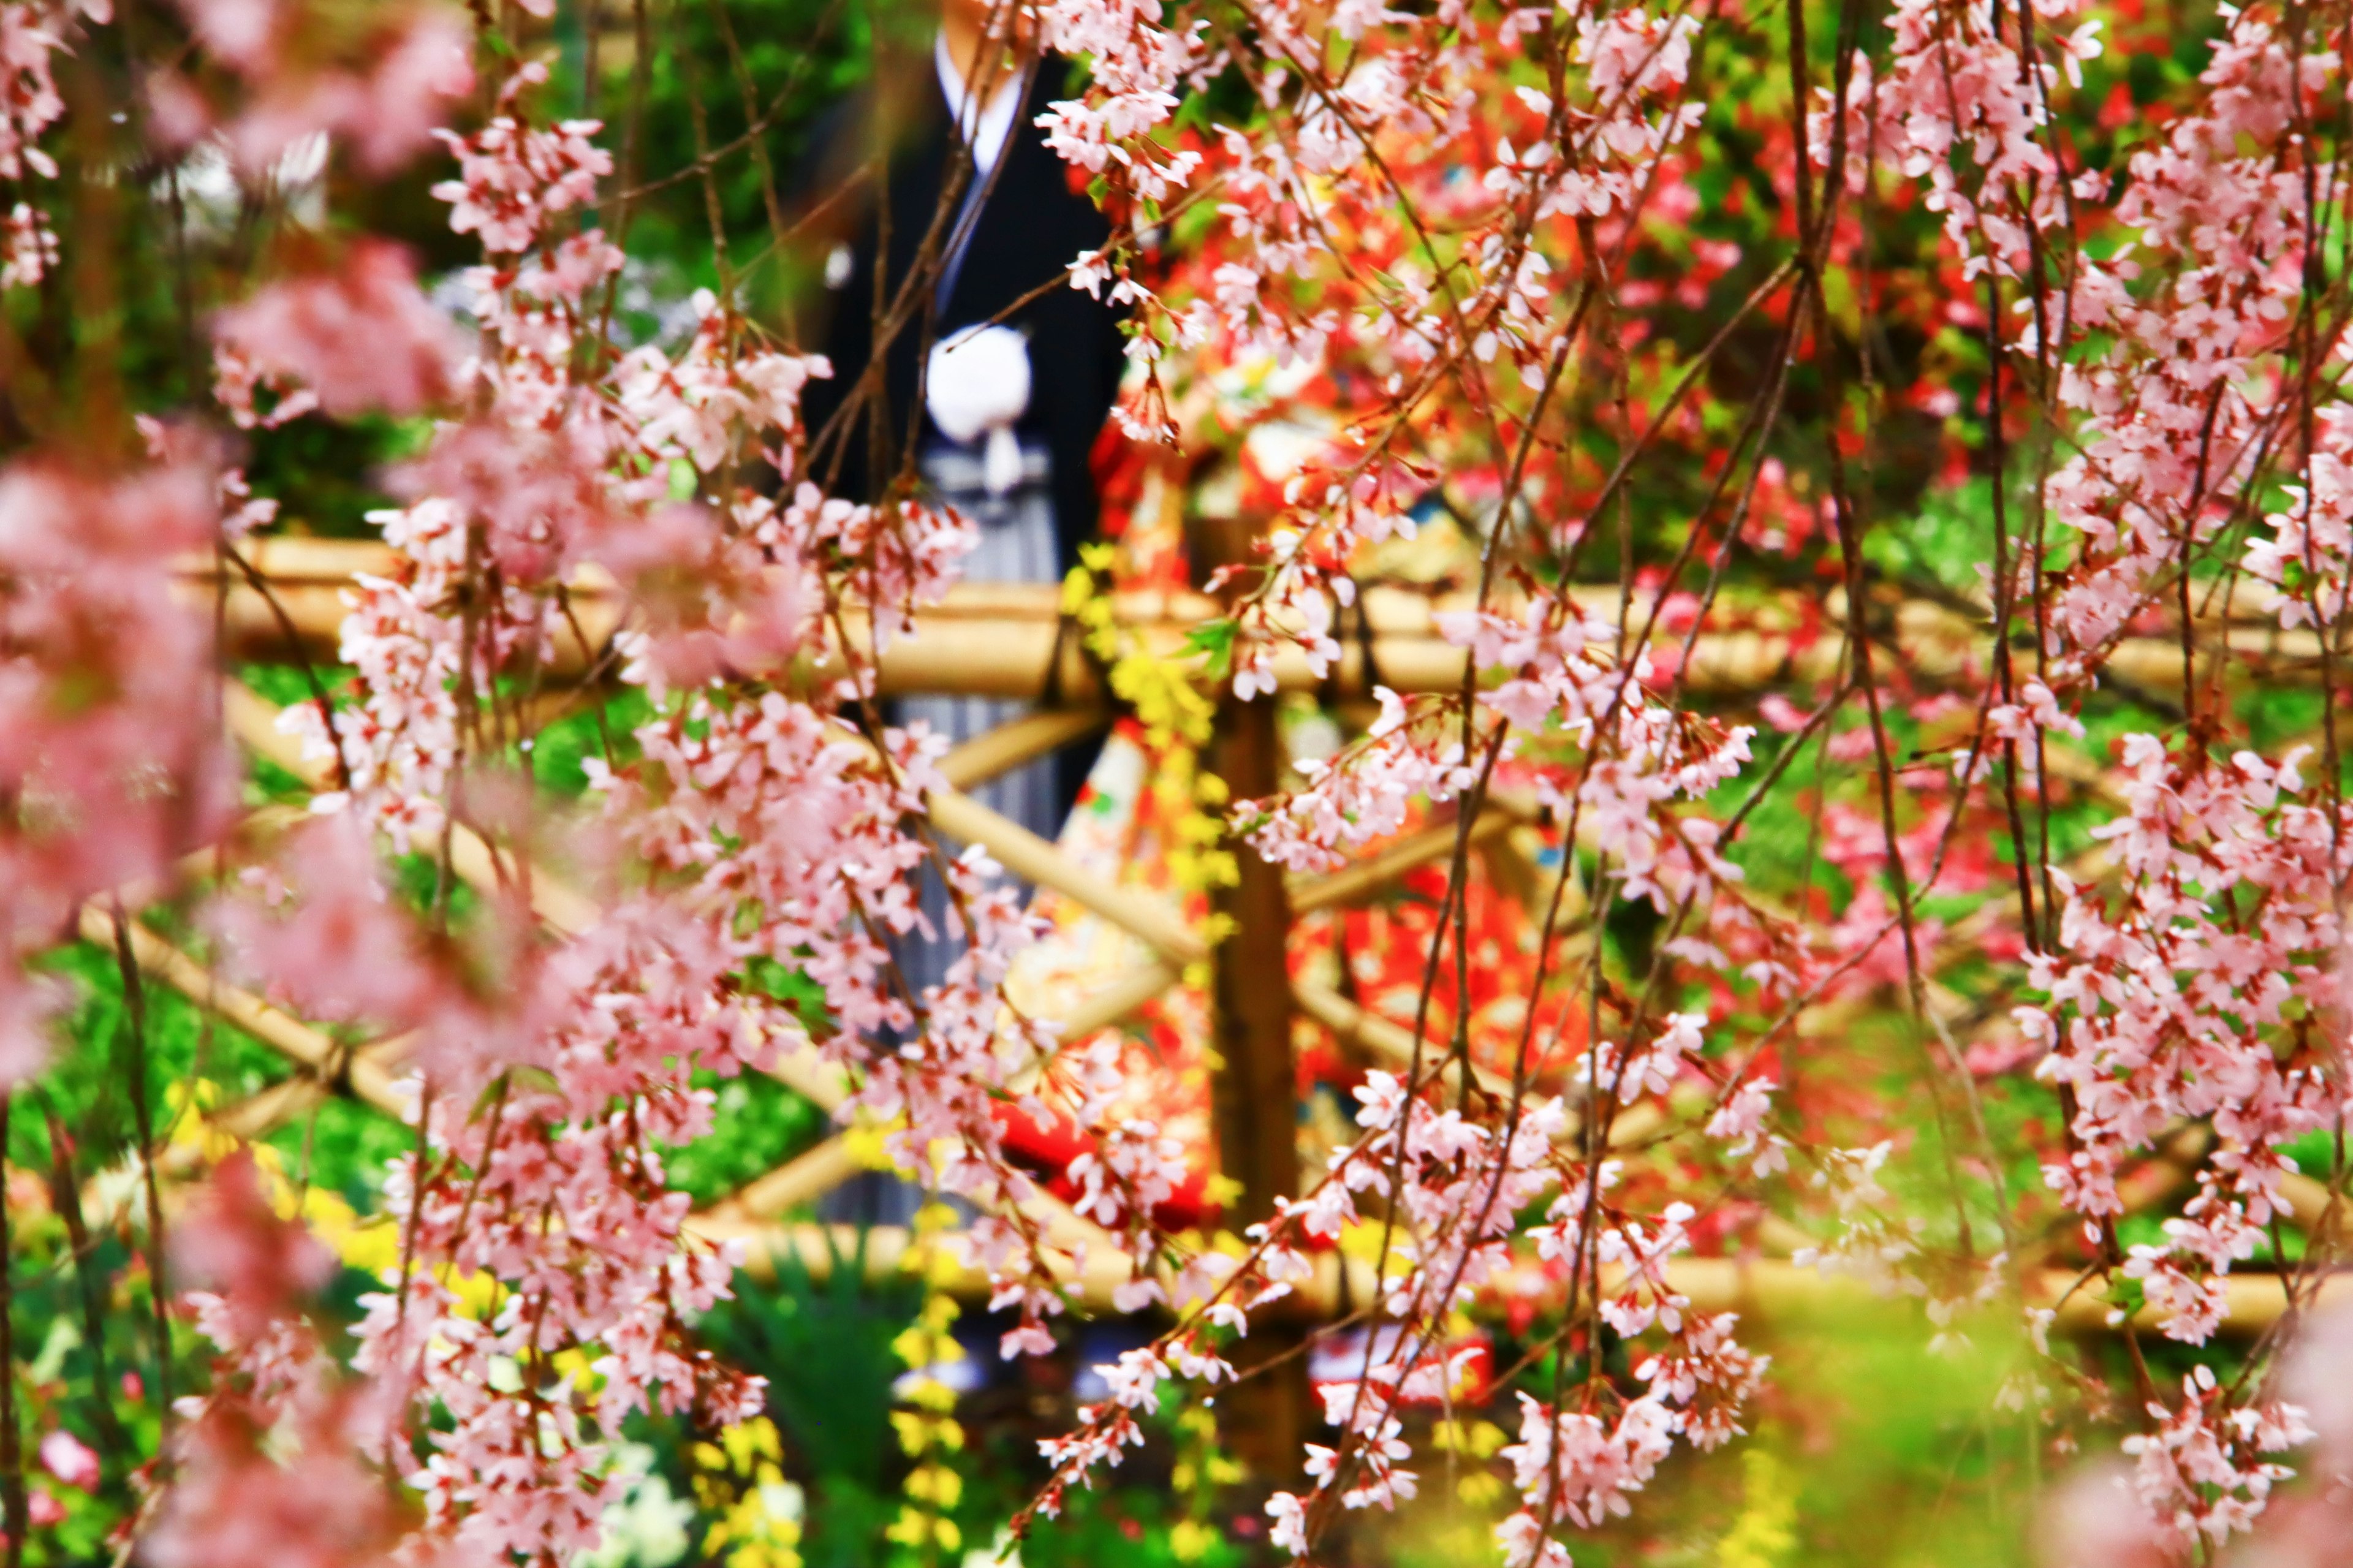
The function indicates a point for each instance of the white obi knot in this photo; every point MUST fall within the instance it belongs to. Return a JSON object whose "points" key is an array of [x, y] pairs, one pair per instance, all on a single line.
{"points": [[977, 386]]}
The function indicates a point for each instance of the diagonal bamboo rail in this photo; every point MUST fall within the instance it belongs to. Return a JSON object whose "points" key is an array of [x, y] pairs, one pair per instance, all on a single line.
{"points": [[1766, 1287], [367, 1072], [569, 912], [1026, 853], [1354, 884]]}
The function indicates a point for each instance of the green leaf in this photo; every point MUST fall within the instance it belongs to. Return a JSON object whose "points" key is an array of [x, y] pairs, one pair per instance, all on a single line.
{"points": [[1214, 639]]}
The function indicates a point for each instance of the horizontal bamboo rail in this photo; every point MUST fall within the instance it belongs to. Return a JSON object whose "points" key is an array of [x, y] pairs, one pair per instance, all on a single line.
{"points": [[1757, 1288], [1009, 640], [1094, 1274]]}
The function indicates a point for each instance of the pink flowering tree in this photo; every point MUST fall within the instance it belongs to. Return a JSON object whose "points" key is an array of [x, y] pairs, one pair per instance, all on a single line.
{"points": [[1890, 471]]}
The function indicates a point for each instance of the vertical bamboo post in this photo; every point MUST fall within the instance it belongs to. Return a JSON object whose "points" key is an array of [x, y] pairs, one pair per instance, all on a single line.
{"points": [[1253, 1084]]}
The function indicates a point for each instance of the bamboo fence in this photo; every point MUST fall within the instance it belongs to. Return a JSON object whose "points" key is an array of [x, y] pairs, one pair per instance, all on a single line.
{"points": [[1010, 641]]}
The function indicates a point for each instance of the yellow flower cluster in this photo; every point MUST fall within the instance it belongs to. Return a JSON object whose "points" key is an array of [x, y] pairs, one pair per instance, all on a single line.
{"points": [[1765, 1534], [1202, 1470], [1473, 1443], [741, 1480], [1166, 694], [928, 1431]]}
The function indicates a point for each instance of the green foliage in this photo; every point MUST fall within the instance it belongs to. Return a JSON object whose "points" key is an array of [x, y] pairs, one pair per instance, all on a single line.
{"points": [[1893, 1457], [102, 1397], [825, 1346], [266, 783], [1930, 1471], [758, 1125], [600, 730], [801, 58], [328, 475], [1131, 1526], [1943, 541], [343, 1147], [417, 878], [85, 1086], [795, 989]]}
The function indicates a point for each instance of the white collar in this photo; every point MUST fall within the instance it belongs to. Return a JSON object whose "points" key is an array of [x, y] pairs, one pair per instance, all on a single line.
{"points": [[986, 130]]}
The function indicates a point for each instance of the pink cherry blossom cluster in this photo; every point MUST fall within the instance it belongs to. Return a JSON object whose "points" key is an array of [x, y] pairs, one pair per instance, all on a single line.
{"points": [[2203, 1472], [1581, 1466], [1453, 1188], [542, 1237], [2176, 414], [1364, 795], [110, 753], [544, 1283], [255, 1273], [1958, 91], [32, 32], [29, 36], [1375, 150], [28, 250], [1444, 1189], [2157, 1012], [775, 830], [768, 819], [275, 73], [2211, 1469], [2179, 364], [357, 340]]}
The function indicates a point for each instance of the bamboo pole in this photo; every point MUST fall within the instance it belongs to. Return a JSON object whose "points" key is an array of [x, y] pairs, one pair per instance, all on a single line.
{"points": [[1253, 1075], [1022, 852], [1024, 659], [1115, 1001], [1393, 1042], [370, 1079], [1024, 739], [1352, 884], [263, 1112], [802, 1179], [1008, 640], [1033, 859], [253, 721], [1252, 1079], [1769, 1289], [259, 1114]]}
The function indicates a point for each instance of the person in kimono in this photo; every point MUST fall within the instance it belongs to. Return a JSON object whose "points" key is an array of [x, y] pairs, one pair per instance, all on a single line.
{"points": [[1018, 370], [945, 158]]}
